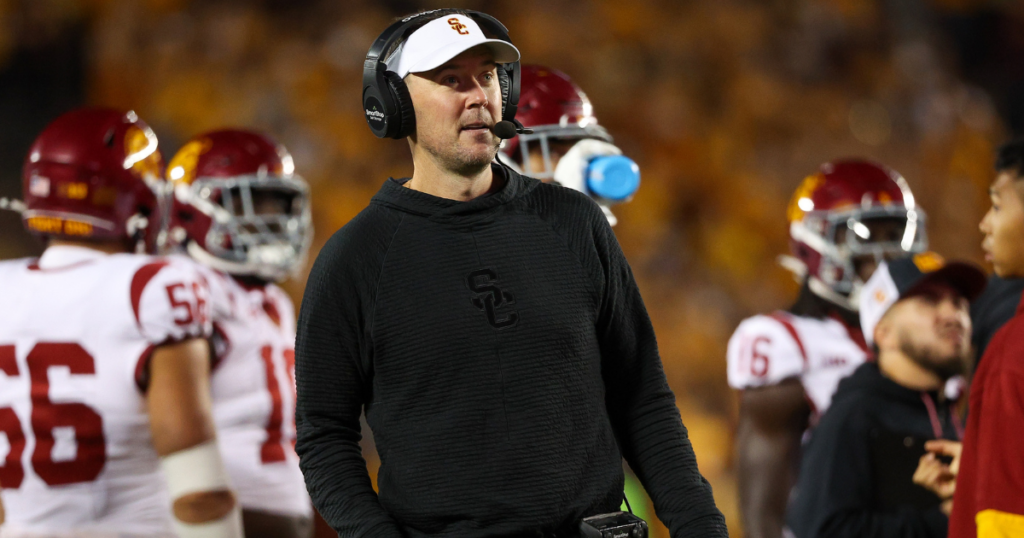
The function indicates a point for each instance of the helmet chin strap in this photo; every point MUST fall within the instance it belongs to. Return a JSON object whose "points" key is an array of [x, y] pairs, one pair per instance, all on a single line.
{"points": [[819, 288], [822, 290], [793, 265], [135, 227], [241, 269]]}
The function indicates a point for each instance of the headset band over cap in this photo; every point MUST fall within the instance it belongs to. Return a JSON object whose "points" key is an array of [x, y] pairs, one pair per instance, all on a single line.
{"points": [[386, 101]]}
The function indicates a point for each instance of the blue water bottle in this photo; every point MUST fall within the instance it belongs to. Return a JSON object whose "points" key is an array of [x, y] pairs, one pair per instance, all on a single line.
{"points": [[613, 177]]}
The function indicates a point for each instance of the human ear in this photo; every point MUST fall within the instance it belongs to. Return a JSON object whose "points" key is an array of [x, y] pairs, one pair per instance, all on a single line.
{"points": [[884, 331]]}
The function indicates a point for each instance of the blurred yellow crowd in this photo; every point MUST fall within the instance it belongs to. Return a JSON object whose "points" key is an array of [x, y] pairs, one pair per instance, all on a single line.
{"points": [[725, 105]]}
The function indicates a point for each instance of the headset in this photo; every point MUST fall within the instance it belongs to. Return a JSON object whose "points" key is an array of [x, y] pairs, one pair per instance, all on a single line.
{"points": [[386, 101]]}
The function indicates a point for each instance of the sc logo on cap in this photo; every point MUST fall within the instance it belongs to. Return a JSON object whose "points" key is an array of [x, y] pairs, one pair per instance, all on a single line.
{"points": [[458, 26]]}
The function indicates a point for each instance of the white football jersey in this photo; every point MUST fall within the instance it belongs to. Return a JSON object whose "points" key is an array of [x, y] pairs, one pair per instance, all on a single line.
{"points": [[77, 328], [767, 349], [254, 394]]}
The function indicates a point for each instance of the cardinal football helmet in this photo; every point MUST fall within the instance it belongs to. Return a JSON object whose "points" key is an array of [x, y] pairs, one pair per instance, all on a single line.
{"points": [[95, 174], [239, 206], [554, 107], [831, 217]]}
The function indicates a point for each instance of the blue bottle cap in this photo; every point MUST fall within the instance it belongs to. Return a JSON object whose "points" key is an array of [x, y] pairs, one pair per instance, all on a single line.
{"points": [[613, 177]]}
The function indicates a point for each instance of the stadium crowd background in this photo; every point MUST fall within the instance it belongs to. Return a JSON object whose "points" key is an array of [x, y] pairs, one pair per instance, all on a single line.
{"points": [[726, 106]]}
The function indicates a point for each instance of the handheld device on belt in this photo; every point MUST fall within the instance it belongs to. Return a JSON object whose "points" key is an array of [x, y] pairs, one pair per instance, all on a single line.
{"points": [[613, 525]]}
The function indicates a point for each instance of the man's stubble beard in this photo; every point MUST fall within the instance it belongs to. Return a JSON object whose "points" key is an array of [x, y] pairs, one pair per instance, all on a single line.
{"points": [[943, 366], [461, 162]]}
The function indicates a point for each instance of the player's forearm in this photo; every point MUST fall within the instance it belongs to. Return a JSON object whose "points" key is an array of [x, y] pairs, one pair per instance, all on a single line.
{"points": [[771, 422], [181, 425], [764, 467], [178, 398], [761, 517]]}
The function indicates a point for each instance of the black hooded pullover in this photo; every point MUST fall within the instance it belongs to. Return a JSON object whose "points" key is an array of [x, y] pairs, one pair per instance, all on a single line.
{"points": [[506, 364], [990, 311], [856, 475]]}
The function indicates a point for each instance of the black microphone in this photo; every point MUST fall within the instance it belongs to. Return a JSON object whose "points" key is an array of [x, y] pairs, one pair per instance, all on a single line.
{"points": [[504, 129]]}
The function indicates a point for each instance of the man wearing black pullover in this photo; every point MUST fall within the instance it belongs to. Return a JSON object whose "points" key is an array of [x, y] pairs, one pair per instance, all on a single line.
{"points": [[491, 328], [857, 476]]}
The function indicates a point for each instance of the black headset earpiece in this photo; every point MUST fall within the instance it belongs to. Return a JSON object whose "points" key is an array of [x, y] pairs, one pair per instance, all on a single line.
{"points": [[405, 119], [382, 98], [386, 102], [503, 82], [510, 90]]}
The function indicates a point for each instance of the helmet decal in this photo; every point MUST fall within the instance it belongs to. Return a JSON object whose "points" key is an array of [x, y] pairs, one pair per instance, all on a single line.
{"points": [[801, 201], [182, 168], [141, 156]]}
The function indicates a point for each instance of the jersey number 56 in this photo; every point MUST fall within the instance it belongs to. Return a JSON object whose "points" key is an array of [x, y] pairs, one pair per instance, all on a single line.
{"points": [[47, 416]]}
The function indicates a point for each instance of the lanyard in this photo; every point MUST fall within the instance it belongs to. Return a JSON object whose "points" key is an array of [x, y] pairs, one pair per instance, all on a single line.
{"points": [[933, 414]]}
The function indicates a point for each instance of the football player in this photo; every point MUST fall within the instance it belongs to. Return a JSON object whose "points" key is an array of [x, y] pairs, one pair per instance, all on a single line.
{"points": [[565, 135], [242, 212], [843, 221], [104, 357]]}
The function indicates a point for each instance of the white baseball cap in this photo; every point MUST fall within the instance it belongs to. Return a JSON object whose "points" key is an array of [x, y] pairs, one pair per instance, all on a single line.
{"points": [[442, 39], [899, 279]]}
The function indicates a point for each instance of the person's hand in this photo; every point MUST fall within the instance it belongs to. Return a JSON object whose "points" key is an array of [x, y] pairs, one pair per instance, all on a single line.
{"points": [[936, 476], [945, 447], [572, 168]]}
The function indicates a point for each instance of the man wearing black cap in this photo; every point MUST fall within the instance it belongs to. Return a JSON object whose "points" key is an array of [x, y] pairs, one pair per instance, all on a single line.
{"points": [[490, 327], [857, 474]]}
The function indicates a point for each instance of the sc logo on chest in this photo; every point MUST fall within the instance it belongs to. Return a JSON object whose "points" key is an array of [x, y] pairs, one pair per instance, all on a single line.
{"points": [[489, 298]]}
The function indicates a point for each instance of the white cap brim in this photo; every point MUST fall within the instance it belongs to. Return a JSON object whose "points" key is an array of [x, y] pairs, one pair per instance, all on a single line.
{"points": [[876, 297], [440, 40], [503, 52]]}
